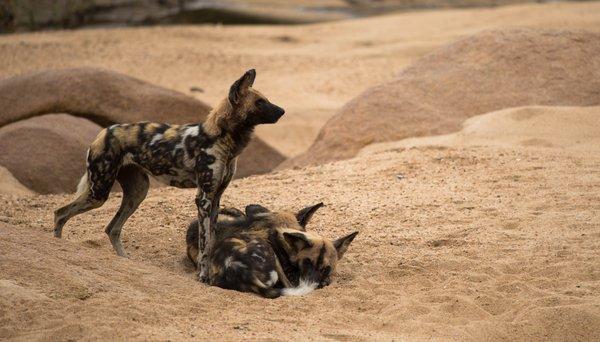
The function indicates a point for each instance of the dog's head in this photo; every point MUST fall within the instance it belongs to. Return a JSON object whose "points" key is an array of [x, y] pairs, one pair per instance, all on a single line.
{"points": [[312, 257], [315, 256], [250, 106]]}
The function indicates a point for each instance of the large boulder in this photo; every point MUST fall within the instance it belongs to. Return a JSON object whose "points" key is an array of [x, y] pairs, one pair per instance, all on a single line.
{"points": [[9, 185], [104, 98], [478, 74], [47, 153]]}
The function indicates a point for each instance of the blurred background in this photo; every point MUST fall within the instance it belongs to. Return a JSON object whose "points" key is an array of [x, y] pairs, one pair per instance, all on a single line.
{"points": [[23, 15]]}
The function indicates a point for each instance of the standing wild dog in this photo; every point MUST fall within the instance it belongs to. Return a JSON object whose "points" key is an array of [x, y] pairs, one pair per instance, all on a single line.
{"points": [[193, 155], [269, 253]]}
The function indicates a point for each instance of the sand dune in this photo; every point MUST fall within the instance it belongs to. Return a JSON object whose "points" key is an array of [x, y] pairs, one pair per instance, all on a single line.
{"points": [[487, 71], [301, 68], [494, 241], [567, 128]]}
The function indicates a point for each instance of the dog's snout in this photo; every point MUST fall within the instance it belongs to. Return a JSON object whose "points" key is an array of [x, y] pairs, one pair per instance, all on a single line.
{"points": [[280, 111], [324, 282], [273, 114]]}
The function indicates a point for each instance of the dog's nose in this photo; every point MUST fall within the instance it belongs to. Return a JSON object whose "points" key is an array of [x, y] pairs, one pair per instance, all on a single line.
{"points": [[280, 111], [324, 283]]}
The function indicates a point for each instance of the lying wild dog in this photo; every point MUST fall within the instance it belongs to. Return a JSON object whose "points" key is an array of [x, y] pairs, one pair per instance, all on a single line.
{"points": [[269, 253], [193, 155]]}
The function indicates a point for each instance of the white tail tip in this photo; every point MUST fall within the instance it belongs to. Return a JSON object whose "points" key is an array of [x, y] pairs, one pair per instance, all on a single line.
{"points": [[82, 187]]}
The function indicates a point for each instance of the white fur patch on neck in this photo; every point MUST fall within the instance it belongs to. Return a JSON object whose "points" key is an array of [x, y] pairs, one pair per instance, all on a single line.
{"points": [[303, 288]]}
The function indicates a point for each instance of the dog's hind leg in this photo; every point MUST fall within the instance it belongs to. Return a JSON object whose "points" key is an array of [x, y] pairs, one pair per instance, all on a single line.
{"points": [[135, 183], [85, 201]]}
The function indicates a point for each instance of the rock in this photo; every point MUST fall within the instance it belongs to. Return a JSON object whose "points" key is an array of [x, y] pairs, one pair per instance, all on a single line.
{"points": [[489, 71]]}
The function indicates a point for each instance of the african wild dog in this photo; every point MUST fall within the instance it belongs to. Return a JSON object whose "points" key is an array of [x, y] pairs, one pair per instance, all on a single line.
{"points": [[193, 155], [269, 253]]}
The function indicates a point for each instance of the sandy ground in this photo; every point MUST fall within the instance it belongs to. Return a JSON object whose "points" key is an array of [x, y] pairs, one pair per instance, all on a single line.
{"points": [[464, 240], [310, 70]]}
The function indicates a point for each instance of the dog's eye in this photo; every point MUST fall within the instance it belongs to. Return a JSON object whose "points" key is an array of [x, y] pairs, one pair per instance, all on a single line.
{"points": [[306, 263], [259, 102]]}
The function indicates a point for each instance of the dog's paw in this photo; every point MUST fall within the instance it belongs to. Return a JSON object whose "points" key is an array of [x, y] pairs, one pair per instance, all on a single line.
{"points": [[203, 277]]}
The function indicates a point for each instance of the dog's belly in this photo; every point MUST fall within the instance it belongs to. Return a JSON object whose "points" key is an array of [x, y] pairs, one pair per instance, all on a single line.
{"points": [[183, 180], [166, 173]]}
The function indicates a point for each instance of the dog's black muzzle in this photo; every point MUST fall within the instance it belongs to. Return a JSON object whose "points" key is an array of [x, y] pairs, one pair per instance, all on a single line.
{"points": [[270, 113], [311, 274]]}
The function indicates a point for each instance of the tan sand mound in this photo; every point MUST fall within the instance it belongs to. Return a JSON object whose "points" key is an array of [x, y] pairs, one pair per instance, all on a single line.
{"points": [[9, 185], [47, 153], [107, 97], [552, 127], [482, 73]]}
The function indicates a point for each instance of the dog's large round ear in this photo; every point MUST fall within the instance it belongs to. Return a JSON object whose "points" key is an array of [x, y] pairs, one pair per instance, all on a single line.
{"points": [[239, 87], [254, 209], [304, 215], [297, 241], [341, 245]]}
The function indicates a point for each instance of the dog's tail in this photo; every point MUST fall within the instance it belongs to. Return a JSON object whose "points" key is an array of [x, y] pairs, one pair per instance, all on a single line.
{"points": [[83, 185]]}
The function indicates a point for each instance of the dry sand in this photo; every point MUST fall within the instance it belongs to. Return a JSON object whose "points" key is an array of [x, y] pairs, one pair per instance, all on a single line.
{"points": [[310, 70], [468, 241]]}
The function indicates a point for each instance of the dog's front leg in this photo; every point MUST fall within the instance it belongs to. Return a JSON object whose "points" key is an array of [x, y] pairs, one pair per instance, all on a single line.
{"points": [[227, 176], [204, 203], [208, 198]]}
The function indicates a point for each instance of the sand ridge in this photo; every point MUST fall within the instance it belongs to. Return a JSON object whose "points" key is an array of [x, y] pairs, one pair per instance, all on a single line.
{"points": [[565, 128]]}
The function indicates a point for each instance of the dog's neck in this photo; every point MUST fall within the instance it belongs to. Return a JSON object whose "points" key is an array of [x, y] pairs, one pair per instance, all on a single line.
{"points": [[232, 134]]}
